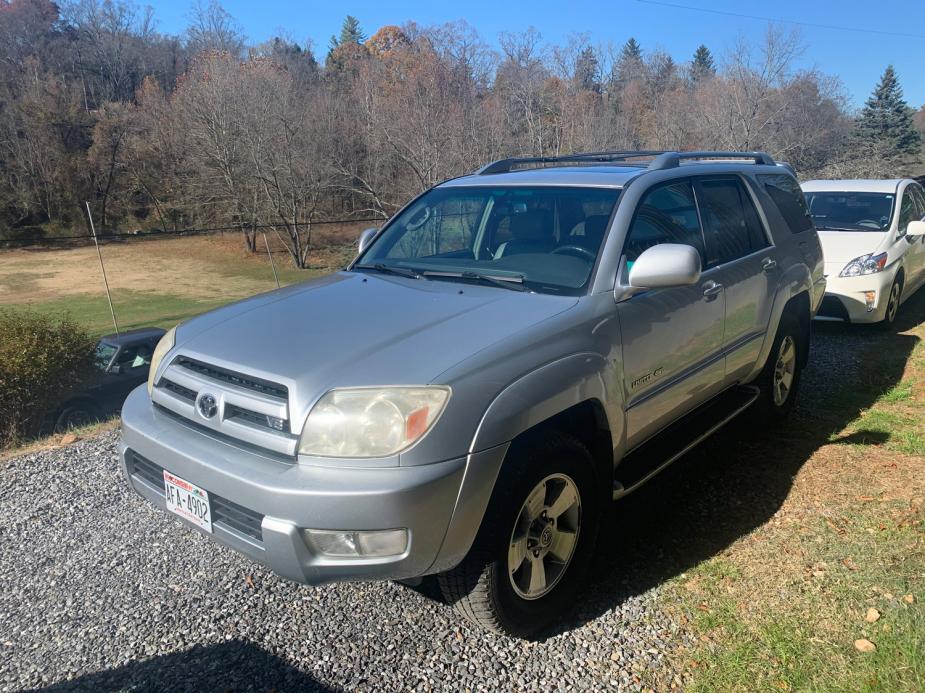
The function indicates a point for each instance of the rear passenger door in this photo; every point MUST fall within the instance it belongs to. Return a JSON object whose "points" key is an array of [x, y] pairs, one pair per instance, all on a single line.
{"points": [[672, 337], [740, 257]]}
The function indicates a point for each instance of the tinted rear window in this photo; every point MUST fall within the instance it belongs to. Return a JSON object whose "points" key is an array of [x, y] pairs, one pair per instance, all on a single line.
{"points": [[789, 199]]}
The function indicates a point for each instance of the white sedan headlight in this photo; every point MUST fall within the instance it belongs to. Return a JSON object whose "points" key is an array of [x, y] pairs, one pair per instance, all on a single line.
{"points": [[371, 422], [866, 264], [160, 351]]}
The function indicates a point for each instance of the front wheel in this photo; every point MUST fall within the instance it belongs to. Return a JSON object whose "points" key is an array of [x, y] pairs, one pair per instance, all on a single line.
{"points": [[535, 543], [780, 379], [892, 304], [76, 415]]}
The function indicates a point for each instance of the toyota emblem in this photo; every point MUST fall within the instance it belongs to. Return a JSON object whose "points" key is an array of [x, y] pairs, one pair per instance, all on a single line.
{"points": [[207, 405]]}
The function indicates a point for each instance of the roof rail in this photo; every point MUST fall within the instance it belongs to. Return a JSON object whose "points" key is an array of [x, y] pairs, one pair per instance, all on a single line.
{"points": [[506, 165], [673, 159]]}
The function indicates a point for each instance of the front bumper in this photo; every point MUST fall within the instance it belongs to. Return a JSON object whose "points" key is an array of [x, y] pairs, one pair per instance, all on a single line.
{"points": [[275, 499], [845, 298]]}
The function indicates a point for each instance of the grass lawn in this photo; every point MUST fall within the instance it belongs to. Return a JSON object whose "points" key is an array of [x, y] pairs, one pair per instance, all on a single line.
{"points": [[154, 282], [827, 593]]}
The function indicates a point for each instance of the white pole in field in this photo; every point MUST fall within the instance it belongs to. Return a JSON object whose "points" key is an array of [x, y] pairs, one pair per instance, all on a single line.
{"points": [[102, 269], [270, 255]]}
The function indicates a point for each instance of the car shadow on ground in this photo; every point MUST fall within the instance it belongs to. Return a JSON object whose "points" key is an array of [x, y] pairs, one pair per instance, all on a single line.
{"points": [[232, 665], [737, 480]]}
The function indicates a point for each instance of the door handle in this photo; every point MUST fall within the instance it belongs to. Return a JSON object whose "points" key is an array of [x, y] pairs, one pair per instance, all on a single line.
{"points": [[768, 264], [711, 288]]}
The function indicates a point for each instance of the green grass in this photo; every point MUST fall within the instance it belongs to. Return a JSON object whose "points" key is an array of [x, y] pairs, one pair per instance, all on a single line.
{"points": [[133, 309], [805, 640]]}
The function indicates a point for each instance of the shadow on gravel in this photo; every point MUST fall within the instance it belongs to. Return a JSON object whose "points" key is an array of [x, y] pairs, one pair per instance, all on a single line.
{"points": [[234, 665], [736, 481]]}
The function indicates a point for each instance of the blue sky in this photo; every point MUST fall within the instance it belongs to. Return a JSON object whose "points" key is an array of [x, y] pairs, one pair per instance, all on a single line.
{"points": [[856, 57]]}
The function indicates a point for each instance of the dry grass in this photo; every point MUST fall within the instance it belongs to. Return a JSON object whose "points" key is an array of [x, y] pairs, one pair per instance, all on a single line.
{"points": [[58, 440], [157, 281]]}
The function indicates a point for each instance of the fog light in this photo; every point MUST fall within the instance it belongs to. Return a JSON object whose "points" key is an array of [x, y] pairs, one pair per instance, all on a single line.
{"points": [[870, 298], [364, 544]]}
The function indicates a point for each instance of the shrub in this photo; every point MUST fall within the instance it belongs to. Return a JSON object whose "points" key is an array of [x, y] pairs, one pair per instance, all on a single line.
{"points": [[42, 360]]}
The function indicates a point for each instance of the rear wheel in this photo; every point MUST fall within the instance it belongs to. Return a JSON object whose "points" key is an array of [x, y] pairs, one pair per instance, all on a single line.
{"points": [[535, 543], [780, 379]]}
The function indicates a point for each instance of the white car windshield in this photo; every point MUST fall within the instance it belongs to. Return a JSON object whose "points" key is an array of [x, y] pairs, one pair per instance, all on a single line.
{"points": [[851, 211], [544, 239]]}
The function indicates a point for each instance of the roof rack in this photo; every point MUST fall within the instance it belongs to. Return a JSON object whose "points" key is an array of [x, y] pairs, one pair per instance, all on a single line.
{"points": [[614, 157], [660, 159], [674, 159]]}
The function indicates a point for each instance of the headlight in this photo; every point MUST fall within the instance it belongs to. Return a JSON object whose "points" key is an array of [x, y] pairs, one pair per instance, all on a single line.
{"points": [[866, 264], [371, 422], [160, 351]]}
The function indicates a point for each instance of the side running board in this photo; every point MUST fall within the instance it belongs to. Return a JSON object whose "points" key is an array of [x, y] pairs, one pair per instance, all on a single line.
{"points": [[647, 460]]}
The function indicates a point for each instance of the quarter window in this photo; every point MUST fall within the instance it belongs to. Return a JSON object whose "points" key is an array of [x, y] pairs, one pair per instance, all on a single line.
{"points": [[666, 214], [732, 228]]}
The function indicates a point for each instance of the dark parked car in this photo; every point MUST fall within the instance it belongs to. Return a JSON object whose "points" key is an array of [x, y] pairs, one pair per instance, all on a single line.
{"points": [[123, 361]]}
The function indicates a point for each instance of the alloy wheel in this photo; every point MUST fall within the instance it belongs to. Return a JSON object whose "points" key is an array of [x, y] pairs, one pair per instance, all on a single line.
{"points": [[544, 536], [784, 370]]}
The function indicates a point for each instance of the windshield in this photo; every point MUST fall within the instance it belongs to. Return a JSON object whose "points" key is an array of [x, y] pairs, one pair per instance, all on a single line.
{"points": [[546, 238], [851, 211], [104, 354]]}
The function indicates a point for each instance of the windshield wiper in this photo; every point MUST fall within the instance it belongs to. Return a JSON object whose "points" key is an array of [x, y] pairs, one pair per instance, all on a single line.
{"points": [[392, 269], [841, 228], [512, 282]]}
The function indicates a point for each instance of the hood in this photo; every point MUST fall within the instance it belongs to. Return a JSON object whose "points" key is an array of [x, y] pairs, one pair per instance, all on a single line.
{"points": [[352, 329], [843, 246]]}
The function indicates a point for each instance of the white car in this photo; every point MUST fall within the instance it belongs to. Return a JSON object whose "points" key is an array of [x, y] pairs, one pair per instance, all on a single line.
{"points": [[872, 239]]}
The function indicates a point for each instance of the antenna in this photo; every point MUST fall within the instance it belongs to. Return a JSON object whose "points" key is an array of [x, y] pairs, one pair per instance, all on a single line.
{"points": [[102, 268]]}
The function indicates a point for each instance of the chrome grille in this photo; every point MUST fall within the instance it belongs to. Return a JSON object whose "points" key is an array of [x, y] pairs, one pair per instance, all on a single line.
{"points": [[251, 410], [245, 381], [178, 390], [225, 513]]}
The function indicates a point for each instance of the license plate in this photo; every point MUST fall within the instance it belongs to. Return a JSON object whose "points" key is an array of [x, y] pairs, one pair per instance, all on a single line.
{"points": [[188, 501]]}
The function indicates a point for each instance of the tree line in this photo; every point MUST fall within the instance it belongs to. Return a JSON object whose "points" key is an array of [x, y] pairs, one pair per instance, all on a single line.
{"points": [[166, 132]]}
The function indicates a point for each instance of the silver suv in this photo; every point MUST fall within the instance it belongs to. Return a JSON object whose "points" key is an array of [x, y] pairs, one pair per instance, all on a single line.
{"points": [[513, 350]]}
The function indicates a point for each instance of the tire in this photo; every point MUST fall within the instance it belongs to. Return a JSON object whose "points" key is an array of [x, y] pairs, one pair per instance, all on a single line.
{"points": [[892, 306], [779, 382], [76, 415], [484, 587]]}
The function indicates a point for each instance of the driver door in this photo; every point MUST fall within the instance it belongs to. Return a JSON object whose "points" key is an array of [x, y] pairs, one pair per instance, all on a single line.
{"points": [[673, 337]]}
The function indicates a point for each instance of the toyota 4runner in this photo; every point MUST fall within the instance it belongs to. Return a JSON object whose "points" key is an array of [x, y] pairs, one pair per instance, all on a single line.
{"points": [[514, 349]]}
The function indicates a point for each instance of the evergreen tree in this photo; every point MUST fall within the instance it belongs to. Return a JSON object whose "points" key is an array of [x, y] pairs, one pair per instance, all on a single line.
{"points": [[702, 65], [886, 120], [350, 32], [587, 70], [629, 64]]}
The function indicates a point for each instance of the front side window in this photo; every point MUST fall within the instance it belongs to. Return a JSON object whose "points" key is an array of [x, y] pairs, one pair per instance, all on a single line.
{"points": [[545, 237], [789, 200], [666, 214], [731, 226], [132, 357], [851, 211], [919, 195], [908, 211]]}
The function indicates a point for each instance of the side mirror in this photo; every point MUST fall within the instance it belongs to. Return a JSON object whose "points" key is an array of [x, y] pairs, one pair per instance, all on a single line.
{"points": [[916, 228], [365, 239], [115, 369], [665, 265]]}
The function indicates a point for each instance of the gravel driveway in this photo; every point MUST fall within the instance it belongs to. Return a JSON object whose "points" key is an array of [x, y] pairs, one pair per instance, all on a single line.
{"points": [[100, 591]]}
